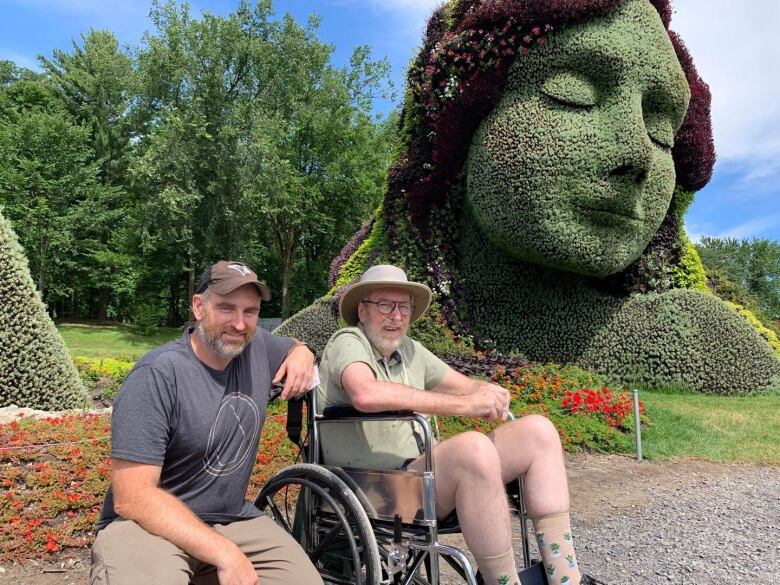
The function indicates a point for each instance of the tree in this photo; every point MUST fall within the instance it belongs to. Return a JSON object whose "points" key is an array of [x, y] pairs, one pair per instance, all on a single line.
{"points": [[753, 264], [313, 160], [35, 368], [94, 82]]}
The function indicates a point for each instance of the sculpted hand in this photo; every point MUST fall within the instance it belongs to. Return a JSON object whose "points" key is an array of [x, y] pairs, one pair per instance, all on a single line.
{"points": [[297, 371], [237, 570]]}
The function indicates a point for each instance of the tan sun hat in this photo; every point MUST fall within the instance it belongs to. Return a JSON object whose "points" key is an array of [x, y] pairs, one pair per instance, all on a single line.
{"points": [[383, 276]]}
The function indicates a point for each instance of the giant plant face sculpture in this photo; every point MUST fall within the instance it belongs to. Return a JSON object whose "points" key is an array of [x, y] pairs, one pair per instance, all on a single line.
{"points": [[573, 168]]}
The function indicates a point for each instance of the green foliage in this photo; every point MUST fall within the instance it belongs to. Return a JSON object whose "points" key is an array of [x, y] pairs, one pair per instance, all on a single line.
{"points": [[765, 332], [314, 324], [530, 180], [365, 255], [690, 273], [431, 330], [103, 377], [753, 264], [529, 255], [685, 338], [247, 143], [35, 369]]}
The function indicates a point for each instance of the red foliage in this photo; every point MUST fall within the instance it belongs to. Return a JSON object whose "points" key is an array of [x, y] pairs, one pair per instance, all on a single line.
{"points": [[614, 408]]}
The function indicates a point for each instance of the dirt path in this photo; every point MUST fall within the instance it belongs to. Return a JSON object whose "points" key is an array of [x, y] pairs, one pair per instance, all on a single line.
{"points": [[601, 486]]}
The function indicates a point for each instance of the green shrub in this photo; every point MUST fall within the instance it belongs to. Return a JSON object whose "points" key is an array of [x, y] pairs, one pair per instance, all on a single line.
{"points": [[103, 376], [35, 368]]}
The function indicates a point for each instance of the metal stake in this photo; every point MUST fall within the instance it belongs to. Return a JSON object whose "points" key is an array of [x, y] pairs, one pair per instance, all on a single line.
{"points": [[637, 425]]}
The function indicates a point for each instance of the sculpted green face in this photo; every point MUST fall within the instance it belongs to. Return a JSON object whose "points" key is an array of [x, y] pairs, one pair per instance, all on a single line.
{"points": [[573, 169]]}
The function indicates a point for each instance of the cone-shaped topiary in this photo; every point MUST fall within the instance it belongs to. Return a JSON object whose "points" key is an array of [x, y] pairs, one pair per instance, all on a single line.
{"points": [[36, 370], [550, 149]]}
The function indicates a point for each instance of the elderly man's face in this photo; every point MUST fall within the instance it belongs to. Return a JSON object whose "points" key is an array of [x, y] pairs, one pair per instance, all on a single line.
{"points": [[573, 169], [227, 323], [385, 332]]}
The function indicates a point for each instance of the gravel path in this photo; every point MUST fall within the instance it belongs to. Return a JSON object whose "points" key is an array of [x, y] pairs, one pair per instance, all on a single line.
{"points": [[680, 522], [726, 530]]}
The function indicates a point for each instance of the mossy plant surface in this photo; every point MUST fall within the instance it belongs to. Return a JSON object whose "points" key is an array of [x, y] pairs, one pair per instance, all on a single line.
{"points": [[36, 370], [550, 150]]}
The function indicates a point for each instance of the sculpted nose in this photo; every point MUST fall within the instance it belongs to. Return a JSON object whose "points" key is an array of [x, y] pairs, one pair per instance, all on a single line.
{"points": [[631, 152]]}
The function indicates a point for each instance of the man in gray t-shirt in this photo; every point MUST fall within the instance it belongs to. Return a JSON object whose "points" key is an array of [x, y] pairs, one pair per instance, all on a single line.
{"points": [[185, 433]]}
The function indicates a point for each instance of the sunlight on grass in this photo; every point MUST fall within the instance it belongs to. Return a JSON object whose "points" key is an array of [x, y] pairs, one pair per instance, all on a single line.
{"points": [[102, 341], [726, 429]]}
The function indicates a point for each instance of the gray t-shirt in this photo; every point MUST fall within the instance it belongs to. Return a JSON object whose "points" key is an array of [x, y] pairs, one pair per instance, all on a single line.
{"points": [[201, 425]]}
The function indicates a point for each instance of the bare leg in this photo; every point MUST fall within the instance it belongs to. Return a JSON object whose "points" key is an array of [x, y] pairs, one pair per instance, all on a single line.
{"points": [[468, 477], [531, 446]]}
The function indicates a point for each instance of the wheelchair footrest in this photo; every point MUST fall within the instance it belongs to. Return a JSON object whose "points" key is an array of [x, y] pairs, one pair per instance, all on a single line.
{"points": [[533, 575]]}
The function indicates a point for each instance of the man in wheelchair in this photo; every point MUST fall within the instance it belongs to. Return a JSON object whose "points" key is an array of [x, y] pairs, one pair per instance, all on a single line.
{"points": [[375, 367]]}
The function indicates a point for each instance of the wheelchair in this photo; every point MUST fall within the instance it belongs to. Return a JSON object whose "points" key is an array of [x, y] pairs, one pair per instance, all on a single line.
{"points": [[371, 526]]}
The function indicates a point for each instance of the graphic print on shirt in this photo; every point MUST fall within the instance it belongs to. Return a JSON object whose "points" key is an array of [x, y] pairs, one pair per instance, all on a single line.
{"points": [[232, 436]]}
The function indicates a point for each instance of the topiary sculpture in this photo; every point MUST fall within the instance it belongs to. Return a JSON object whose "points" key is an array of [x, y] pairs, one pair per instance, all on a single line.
{"points": [[35, 368], [551, 149]]}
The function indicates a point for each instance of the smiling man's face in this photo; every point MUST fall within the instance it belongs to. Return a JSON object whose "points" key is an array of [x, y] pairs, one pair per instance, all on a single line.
{"points": [[227, 323], [573, 169], [385, 332]]}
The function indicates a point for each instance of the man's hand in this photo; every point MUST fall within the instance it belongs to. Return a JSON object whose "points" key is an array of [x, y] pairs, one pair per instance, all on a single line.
{"points": [[297, 371], [489, 401], [236, 569]]}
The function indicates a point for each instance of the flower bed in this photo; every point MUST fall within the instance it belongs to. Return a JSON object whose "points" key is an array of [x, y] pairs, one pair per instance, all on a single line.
{"points": [[55, 471]]}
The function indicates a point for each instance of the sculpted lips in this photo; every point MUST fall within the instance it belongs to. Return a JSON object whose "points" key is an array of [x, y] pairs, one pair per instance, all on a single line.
{"points": [[610, 215]]}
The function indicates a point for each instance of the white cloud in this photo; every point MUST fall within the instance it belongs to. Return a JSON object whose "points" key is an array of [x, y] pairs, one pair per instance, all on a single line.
{"points": [[753, 227], [736, 50]]}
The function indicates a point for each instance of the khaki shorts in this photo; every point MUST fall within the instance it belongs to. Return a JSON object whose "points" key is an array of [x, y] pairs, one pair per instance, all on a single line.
{"points": [[125, 554]]}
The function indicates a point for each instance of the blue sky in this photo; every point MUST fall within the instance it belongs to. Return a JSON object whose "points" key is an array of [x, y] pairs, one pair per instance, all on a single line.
{"points": [[734, 44]]}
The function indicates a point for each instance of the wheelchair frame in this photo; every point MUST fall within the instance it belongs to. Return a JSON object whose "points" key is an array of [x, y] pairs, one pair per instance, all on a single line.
{"points": [[371, 526]]}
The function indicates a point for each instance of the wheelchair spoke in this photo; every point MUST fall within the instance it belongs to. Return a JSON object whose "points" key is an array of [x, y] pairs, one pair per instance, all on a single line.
{"points": [[282, 520]]}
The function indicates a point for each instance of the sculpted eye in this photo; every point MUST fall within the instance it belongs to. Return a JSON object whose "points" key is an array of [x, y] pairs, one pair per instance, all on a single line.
{"points": [[570, 88], [660, 130]]}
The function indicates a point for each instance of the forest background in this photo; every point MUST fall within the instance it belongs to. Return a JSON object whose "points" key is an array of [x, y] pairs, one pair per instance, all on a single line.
{"points": [[125, 171]]}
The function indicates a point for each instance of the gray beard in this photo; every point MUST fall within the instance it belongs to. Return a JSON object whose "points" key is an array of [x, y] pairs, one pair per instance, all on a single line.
{"points": [[216, 345], [384, 346]]}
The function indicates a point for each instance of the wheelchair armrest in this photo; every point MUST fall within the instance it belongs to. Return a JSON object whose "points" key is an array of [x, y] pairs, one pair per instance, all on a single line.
{"points": [[349, 411], [344, 413]]}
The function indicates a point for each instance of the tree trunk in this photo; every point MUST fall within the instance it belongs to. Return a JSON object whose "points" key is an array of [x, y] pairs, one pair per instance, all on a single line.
{"points": [[103, 304], [190, 291]]}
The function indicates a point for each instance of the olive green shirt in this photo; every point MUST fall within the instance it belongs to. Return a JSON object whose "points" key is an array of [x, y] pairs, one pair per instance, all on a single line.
{"points": [[380, 445]]}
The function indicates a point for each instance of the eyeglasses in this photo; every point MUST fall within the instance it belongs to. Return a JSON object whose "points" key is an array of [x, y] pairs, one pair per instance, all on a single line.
{"points": [[387, 307]]}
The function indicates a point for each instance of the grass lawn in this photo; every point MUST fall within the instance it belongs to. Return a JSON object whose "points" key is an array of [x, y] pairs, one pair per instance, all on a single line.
{"points": [[727, 429], [112, 341]]}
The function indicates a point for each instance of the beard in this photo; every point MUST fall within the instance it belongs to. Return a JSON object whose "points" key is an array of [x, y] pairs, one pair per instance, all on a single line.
{"points": [[385, 345], [212, 337]]}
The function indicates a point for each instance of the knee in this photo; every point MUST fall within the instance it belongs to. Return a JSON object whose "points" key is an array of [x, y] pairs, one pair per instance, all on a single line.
{"points": [[539, 432], [478, 454]]}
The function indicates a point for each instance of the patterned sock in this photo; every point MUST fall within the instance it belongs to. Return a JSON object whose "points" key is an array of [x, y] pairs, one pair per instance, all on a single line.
{"points": [[553, 534], [499, 570]]}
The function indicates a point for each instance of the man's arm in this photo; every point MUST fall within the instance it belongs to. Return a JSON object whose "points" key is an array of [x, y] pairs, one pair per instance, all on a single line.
{"points": [[455, 395], [137, 497], [297, 371]]}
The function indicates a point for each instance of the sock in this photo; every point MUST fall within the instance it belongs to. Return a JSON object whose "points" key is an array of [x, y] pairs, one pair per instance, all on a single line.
{"points": [[553, 535], [499, 570]]}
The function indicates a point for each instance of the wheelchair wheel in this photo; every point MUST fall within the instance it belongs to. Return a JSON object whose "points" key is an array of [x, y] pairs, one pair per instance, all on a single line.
{"points": [[326, 518]]}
